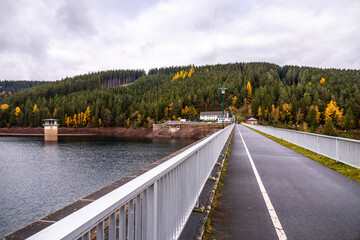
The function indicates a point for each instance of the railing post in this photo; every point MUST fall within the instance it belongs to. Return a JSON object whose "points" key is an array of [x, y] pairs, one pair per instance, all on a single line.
{"points": [[156, 210], [122, 223], [100, 231], [112, 226], [130, 226], [198, 165], [86, 236], [152, 212], [337, 150], [138, 207], [144, 213], [317, 145]]}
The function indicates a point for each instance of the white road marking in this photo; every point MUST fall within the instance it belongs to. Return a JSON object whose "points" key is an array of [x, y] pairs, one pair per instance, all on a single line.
{"points": [[275, 220]]}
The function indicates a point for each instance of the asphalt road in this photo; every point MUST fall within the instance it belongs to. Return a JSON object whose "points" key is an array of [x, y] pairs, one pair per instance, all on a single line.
{"points": [[311, 201]]}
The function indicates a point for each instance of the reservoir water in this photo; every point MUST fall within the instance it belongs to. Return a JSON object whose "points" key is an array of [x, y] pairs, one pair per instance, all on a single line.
{"points": [[38, 178]]}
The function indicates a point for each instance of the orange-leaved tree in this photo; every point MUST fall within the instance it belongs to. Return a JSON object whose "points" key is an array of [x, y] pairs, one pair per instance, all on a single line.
{"points": [[334, 113]]}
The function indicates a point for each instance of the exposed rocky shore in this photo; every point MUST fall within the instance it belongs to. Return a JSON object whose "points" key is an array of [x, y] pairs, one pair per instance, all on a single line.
{"points": [[196, 133]]}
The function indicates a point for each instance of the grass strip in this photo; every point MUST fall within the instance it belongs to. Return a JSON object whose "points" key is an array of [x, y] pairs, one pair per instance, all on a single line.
{"points": [[209, 230], [340, 167]]}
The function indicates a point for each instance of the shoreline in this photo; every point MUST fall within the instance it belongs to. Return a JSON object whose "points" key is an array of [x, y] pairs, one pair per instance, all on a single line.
{"points": [[39, 135], [185, 132]]}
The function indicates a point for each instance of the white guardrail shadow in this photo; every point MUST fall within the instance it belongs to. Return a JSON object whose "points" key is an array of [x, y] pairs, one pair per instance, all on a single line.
{"points": [[155, 205], [340, 149]]}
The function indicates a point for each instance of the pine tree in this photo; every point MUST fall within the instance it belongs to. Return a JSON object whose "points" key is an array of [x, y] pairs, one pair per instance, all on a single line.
{"points": [[329, 128], [259, 113], [348, 122]]}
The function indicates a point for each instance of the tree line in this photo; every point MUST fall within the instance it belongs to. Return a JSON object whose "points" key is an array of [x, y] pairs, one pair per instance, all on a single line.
{"points": [[9, 87], [291, 95]]}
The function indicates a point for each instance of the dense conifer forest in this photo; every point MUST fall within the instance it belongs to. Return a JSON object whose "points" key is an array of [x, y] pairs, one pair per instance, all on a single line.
{"points": [[8, 87], [311, 98]]}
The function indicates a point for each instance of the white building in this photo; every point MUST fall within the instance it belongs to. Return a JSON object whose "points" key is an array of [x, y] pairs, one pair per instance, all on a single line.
{"points": [[213, 116]]}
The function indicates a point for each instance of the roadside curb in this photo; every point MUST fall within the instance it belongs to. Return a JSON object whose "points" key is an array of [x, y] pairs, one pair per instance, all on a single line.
{"points": [[208, 208]]}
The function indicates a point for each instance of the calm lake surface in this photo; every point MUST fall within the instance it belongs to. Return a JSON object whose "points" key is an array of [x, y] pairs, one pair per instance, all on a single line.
{"points": [[38, 178]]}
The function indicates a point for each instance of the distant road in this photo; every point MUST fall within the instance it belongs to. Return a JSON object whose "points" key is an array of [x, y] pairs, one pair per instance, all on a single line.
{"points": [[272, 192]]}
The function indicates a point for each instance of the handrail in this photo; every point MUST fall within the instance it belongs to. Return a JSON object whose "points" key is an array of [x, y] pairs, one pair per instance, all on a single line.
{"points": [[155, 205], [340, 149]]}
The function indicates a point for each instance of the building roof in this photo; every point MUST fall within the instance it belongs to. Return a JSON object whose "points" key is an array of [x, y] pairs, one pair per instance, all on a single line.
{"points": [[252, 119], [217, 113]]}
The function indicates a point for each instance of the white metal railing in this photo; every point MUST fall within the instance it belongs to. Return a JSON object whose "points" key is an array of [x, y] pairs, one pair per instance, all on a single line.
{"points": [[155, 205], [340, 149]]}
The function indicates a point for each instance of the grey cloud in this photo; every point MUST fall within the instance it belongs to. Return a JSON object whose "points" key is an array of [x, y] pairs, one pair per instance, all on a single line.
{"points": [[124, 8], [75, 18], [216, 15], [18, 34], [147, 48], [49, 39], [7, 9]]}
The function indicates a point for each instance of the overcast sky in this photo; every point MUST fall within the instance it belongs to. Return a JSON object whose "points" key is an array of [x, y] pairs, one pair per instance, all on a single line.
{"points": [[52, 39]]}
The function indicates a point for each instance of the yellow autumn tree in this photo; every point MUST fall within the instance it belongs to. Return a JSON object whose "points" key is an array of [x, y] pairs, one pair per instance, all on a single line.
{"points": [[4, 107], [17, 111], [322, 81], [81, 119], [334, 113], [88, 114], [74, 121], [54, 113], [275, 113], [234, 101], [286, 111], [305, 126], [249, 92], [150, 121], [191, 71], [185, 110], [67, 120], [35, 108], [184, 74], [166, 112], [128, 122], [170, 108]]}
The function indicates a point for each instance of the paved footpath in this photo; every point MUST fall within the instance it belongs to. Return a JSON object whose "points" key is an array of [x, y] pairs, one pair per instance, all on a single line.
{"points": [[278, 193]]}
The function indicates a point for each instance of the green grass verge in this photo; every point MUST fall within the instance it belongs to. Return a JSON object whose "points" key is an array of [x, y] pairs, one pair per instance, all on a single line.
{"points": [[342, 168]]}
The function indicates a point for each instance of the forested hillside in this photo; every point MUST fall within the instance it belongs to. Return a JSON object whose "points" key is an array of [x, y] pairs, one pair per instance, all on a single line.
{"points": [[291, 95], [10, 87]]}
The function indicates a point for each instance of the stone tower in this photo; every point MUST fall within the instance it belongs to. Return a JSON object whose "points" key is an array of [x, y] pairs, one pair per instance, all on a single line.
{"points": [[51, 129]]}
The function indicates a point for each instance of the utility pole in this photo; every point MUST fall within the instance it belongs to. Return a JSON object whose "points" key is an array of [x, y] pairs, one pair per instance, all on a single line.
{"points": [[223, 93]]}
